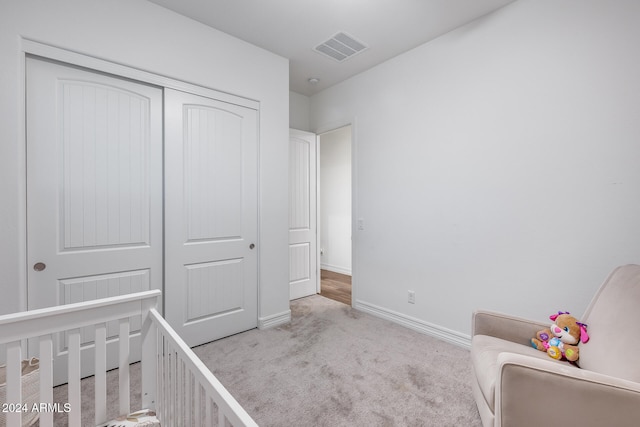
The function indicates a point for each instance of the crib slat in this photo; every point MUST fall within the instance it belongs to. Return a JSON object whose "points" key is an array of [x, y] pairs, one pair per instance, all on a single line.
{"points": [[101, 373], [188, 396], [46, 378], [181, 391], [222, 420], [149, 358], [172, 386], [14, 381], [160, 384], [208, 418], [197, 399], [167, 384], [124, 366], [74, 378], [166, 407], [160, 379]]}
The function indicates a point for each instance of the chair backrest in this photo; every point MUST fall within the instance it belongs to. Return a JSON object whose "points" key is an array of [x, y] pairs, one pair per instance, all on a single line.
{"points": [[613, 317]]}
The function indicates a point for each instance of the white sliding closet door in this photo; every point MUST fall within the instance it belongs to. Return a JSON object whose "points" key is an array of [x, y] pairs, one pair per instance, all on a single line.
{"points": [[94, 191], [211, 212]]}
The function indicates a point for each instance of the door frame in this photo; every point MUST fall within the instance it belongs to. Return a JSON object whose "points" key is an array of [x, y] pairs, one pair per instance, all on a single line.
{"points": [[37, 49], [322, 129]]}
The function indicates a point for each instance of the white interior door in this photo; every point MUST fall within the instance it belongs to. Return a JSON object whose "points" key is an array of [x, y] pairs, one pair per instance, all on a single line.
{"points": [[303, 259], [211, 211], [94, 191]]}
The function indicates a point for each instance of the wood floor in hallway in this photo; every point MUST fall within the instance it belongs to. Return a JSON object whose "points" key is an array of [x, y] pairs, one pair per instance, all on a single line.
{"points": [[336, 286]]}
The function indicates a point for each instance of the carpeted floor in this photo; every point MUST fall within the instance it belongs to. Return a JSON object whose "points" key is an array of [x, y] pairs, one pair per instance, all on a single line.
{"points": [[331, 366], [335, 366]]}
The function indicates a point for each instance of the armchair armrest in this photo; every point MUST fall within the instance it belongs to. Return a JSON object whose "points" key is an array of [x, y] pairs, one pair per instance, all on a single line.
{"points": [[510, 328], [561, 392]]}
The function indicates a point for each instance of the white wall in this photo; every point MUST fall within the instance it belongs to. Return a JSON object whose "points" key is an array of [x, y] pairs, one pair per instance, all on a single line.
{"points": [[335, 200], [142, 35], [299, 111], [497, 166]]}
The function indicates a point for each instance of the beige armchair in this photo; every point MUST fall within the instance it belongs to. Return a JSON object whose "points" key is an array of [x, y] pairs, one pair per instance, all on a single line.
{"points": [[517, 386]]}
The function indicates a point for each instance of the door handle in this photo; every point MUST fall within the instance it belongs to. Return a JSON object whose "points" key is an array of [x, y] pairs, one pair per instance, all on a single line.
{"points": [[39, 266], [251, 246]]}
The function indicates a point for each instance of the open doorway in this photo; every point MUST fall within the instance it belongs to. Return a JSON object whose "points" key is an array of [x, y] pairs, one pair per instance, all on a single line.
{"points": [[335, 214]]}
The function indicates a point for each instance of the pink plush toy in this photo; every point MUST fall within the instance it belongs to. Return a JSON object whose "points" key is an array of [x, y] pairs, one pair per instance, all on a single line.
{"points": [[562, 338]]}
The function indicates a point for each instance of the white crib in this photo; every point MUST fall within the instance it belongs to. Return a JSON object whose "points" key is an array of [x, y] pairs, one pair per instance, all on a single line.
{"points": [[174, 382]]}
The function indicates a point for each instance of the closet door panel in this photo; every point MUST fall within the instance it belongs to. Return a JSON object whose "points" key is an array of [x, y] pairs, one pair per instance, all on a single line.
{"points": [[213, 173], [94, 188], [211, 193]]}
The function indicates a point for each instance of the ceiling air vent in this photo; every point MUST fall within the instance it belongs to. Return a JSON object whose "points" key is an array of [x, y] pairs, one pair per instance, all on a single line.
{"points": [[340, 47]]}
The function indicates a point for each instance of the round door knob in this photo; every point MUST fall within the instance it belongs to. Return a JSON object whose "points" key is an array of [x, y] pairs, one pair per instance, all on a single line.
{"points": [[251, 246], [39, 266]]}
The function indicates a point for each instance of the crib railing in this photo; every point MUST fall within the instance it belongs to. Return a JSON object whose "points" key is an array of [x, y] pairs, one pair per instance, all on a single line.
{"points": [[186, 390], [175, 383]]}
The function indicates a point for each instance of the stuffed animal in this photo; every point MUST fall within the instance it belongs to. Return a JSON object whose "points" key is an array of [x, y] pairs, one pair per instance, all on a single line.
{"points": [[562, 338]]}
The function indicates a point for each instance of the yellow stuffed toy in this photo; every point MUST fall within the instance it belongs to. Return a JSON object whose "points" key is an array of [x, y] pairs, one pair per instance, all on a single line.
{"points": [[562, 337]]}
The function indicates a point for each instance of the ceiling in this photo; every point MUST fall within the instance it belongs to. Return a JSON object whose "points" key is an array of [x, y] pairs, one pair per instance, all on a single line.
{"points": [[293, 28]]}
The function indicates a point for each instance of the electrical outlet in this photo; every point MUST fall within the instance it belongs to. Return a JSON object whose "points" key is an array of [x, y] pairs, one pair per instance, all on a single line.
{"points": [[412, 297]]}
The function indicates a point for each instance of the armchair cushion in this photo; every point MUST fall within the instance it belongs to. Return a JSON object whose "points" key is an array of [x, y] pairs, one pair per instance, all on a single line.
{"points": [[484, 360], [530, 389]]}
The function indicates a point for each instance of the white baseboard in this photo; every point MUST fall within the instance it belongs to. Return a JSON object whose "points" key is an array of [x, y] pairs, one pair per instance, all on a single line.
{"points": [[274, 320], [335, 269], [418, 325]]}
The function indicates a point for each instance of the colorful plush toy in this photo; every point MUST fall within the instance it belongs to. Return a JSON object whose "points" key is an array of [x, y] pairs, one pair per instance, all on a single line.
{"points": [[562, 338]]}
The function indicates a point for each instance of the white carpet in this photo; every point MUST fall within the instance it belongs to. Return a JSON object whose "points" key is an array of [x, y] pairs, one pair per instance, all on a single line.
{"points": [[335, 366], [331, 366]]}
